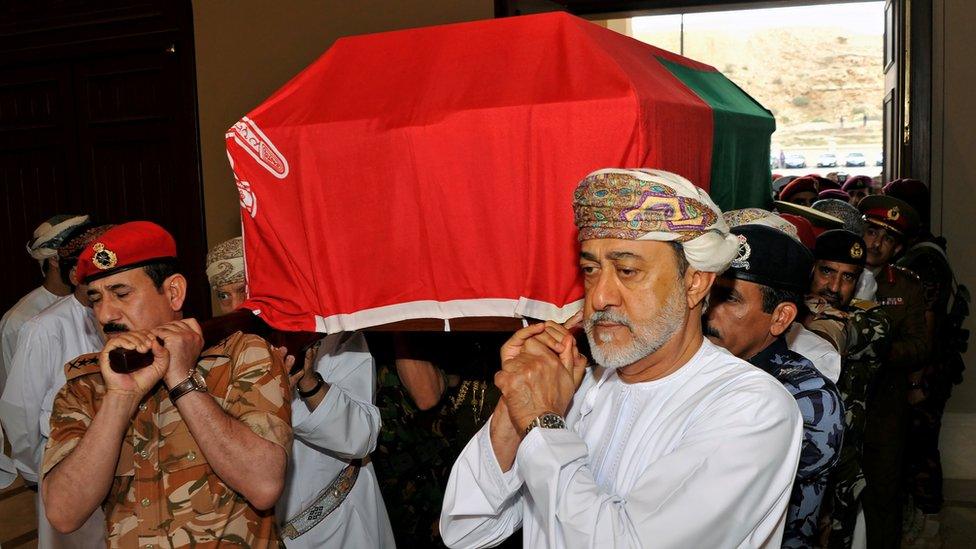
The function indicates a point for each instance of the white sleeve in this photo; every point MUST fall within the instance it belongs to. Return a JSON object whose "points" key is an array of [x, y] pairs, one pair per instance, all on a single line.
{"points": [[726, 483], [482, 505], [8, 472], [346, 423], [20, 406]]}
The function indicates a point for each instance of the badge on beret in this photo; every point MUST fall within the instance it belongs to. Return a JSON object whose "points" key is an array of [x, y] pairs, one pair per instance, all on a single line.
{"points": [[103, 258], [857, 251], [741, 260], [893, 214]]}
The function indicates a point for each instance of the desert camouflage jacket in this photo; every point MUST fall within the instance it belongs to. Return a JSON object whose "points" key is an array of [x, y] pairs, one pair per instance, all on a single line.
{"points": [[165, 493], [823, 431]]}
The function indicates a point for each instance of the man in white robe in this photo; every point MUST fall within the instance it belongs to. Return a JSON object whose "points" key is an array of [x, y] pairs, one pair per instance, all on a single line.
{"points": [[44, 248], [671, 441], [46, 343], [331, 496]]}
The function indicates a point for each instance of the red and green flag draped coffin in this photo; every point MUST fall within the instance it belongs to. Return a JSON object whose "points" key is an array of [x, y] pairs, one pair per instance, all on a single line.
{"points": [[429, 173]]}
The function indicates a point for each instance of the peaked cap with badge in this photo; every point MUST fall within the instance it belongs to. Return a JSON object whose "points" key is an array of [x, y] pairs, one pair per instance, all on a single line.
{"points": [[772, 258], [842, 246], [124, 247], [887, 212]]}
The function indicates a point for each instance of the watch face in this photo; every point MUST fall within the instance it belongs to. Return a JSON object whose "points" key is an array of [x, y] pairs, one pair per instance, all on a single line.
{"points": [[199, 381], [552, 421]]}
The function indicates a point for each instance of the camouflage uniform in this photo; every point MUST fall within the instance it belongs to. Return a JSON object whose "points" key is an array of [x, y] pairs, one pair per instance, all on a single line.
{"points": [[924, 463], [823, 431], [417, 448], [866, 337], [164, 493]]}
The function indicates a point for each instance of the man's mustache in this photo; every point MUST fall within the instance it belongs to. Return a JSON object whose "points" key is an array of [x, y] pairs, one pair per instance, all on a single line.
{"points": [[113, 327], [607, 316], [833, 297], [710, 331]]}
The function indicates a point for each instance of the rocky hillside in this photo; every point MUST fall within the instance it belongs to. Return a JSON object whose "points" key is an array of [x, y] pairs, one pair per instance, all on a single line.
{"points": [[809, 78]]}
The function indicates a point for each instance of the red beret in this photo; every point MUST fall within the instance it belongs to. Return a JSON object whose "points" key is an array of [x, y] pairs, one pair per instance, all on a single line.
{"points": [[824, 183], [857, 182], [804, 229], [798, 185], [125, 247], [834, 193]]}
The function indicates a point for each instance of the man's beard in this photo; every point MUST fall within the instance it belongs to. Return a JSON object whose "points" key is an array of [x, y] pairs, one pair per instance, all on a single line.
{"points": [[830, 297], [648, 337]]}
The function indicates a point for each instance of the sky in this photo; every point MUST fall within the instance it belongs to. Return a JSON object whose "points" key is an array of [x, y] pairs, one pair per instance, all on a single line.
{"points": [[859, 18]]}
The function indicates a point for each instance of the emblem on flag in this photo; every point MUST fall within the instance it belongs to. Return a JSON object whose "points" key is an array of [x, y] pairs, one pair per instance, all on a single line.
{"points": [[247, 134]]}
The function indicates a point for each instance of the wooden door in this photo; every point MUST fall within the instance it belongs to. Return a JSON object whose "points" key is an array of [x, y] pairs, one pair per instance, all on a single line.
{"points": [[99, 118]]}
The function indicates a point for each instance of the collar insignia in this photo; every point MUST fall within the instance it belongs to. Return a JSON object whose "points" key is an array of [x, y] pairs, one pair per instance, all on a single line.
{"points": [[103, 258]]}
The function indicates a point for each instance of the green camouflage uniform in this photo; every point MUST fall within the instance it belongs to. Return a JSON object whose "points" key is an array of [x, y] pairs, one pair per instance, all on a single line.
{"points": [[863, 331]]}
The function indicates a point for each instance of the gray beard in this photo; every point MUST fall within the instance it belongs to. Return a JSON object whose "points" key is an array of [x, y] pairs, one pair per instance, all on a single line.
{"points": [[648, 338]]}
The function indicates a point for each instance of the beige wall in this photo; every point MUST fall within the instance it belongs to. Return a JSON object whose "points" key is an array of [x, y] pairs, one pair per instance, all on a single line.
{"points": [[954, 156], [246, 49]]}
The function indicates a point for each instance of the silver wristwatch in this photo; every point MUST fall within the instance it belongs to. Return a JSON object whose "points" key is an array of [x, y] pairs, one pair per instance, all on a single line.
{"points": [[547, 420]]}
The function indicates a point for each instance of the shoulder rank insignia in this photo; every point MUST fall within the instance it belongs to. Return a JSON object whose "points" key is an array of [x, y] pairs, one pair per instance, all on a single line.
{"points": [[81, 366], [103, 258]]}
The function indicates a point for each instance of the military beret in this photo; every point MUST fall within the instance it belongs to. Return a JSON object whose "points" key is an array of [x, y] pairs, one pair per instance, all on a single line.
{"points": [[804, 229], [889, 213], [824, 183], [833, 193], [805, 184], [124, 247], [842, 246], [912, 191], [856, 183], [772, 258]]}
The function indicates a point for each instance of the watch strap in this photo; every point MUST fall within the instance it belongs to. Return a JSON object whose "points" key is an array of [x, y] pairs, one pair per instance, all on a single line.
{"points": [[319, 382], [188, 385]]}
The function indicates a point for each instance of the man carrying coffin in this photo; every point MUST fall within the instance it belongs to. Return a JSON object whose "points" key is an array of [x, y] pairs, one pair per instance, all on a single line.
{"points": [[668, 440]]}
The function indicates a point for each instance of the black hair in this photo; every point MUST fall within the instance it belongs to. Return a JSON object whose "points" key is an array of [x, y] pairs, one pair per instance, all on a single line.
{"points": [[771, 297], [160, 271], [65, 265], [679, 255]]}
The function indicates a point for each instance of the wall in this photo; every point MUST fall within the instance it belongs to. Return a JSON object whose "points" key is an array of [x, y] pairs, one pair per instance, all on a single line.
{"points": [[953, 199], [246, 49]]}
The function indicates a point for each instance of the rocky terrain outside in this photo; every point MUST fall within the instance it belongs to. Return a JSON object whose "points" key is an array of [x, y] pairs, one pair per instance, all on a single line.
{"points": [[824, 85]]}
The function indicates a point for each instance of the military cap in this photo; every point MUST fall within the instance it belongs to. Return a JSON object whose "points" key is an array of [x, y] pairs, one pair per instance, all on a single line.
{"points": [[818, 220], [825, 183], [124, 247], [889, 213], [781, 182], [912, 191], [834, 194], [772, 258], [805, 184], [841, 210], [842, 246], [856, 183], [804, 229]]}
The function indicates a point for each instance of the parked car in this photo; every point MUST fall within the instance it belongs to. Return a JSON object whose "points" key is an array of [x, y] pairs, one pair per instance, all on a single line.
{"points": [[855, 159], [795, 160], [879, 159], [827, 160]]}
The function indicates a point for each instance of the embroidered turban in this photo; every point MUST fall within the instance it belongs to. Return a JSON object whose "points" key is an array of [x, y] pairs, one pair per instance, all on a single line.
{"points": [[759, 216], [225, 262], [843, 211], [643, 204], [51, 234]]}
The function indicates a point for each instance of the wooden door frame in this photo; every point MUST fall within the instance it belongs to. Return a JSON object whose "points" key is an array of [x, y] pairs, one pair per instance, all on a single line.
{"points": [[912, 44]]}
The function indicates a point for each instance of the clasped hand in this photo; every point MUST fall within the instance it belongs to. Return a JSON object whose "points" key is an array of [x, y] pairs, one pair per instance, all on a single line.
{"points": [[541, 371], [173, 361]]}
